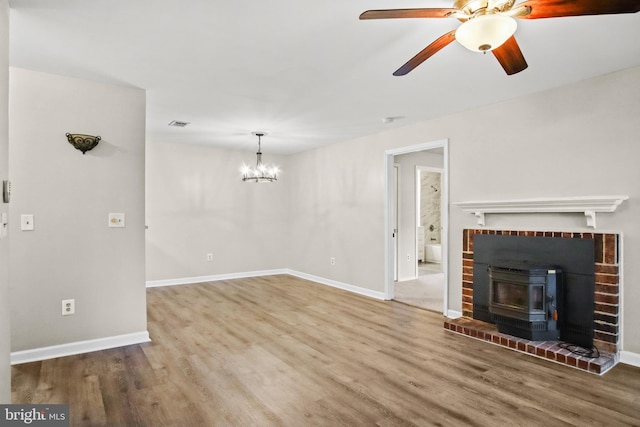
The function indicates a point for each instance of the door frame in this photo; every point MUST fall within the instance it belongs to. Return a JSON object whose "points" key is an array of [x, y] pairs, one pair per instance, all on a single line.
{"points": [[396, 214], [389, 208]]}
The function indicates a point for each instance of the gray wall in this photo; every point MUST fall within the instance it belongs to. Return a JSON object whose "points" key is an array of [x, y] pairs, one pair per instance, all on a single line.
{"points": [[5, 332], [578, 140], [72, 253], [198, 204]]}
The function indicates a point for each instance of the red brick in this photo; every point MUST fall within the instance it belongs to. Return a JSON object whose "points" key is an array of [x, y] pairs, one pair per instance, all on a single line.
{"points": [[607, 289], [465, 240], [599, 247], [606, 327], [607, 298], [610, 279], [522, 346], [606, 318], [561, 358], [606, 337], [606, 308], [541, 352], [583, 364], [610, 249], [551, 354], [607, 268]]}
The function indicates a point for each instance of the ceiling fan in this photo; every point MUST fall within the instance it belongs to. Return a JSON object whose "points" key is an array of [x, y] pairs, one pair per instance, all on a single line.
{"points": [[489, 25]]}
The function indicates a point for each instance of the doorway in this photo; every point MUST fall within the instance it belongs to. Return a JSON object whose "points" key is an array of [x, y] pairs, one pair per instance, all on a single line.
{"points": [[402, 246], [426, 290]]}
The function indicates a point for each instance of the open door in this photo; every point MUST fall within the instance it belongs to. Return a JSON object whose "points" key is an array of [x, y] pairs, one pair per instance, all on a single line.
{"points": [[394, 228]]}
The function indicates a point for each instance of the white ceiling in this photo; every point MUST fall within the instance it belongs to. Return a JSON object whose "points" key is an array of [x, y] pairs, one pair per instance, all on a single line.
{"points": [[309, 73]]}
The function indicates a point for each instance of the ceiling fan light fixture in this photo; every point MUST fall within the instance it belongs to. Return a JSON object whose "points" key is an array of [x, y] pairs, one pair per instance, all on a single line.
{"points": [[486, 32]]}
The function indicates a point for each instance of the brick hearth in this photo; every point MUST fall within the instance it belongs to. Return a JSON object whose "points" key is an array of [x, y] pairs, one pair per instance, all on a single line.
{"points": [[550, 350], [606, 309]]}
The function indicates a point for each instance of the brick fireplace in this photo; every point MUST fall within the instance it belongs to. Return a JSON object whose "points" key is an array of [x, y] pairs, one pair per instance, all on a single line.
{"points": [[606, 315]]}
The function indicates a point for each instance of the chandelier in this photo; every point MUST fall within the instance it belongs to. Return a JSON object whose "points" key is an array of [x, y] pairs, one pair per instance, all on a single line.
{"points": [[260, 173]]}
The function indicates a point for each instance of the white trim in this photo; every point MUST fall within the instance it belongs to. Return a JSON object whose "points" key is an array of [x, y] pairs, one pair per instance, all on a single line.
{"points": [[318, 279], [339, 285], [630, 358], [453, 314], [214, 278], [589, 205], [78, 347]]}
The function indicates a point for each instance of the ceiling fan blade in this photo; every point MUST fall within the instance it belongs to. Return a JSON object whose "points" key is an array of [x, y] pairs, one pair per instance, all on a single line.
{"points": [[559, 8], [426, 53], [408, 13], [510, 56]]}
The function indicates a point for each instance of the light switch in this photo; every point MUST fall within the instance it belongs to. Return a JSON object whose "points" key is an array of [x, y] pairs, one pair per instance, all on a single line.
{"points": [[116, 220], [4, 224], [26, 222]]}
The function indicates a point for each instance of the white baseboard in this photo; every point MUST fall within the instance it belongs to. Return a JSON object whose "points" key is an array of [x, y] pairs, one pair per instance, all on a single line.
{"points": [[318, 279], [630, 358], [78, 347], [214, 278], [453, 314], [339, 285]]}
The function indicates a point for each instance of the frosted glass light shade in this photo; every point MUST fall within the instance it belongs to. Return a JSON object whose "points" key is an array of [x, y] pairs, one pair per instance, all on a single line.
{"points": [[486, 32]]}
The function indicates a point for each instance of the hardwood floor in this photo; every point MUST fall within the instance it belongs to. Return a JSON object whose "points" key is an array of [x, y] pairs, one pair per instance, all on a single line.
{"points": [[282, 351]]}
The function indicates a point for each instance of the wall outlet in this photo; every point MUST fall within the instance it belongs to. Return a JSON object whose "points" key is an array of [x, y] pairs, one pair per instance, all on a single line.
{"points": [[408, 257], [209, 257], [68, 307], [26, 222], [332, 261], [116, 220]]}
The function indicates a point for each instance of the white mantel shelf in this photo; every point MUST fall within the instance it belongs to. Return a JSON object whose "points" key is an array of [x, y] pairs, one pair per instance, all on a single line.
{"points": [[588, 205]]}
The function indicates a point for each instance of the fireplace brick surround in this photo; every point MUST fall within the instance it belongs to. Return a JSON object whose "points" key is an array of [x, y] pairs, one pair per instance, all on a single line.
{"points": [[606, 307]]}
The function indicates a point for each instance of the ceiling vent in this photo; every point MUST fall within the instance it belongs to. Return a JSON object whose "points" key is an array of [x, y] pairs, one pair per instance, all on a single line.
{"points": [[178, 123]]}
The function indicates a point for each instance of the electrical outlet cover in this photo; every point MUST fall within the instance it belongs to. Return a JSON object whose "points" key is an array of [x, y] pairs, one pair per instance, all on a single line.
{"points": [[116, 220], [26, 222]]}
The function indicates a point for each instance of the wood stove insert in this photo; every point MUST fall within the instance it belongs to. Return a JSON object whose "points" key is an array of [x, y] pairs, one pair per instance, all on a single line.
{"points": [[526, 299]]}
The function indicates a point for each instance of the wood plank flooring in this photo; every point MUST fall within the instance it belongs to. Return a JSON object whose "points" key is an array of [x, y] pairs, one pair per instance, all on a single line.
{"points": [[282, 351]]}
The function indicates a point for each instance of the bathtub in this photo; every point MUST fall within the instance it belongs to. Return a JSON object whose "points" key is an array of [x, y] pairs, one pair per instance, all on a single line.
{"points": [[433, 252]]}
